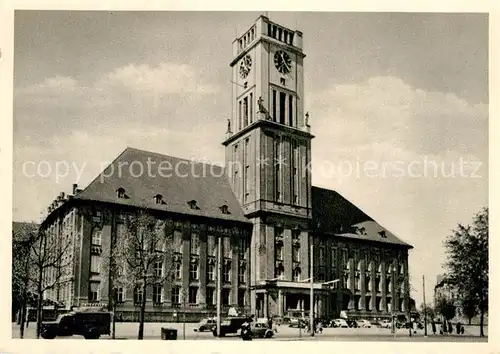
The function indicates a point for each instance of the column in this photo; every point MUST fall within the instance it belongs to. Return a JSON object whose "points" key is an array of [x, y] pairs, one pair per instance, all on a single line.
{"points": [[383, 281], [266, 304], [395, 298], [287, 240], [362, 274], [270, 261], [280, 303], [352, 279], [186, 255], [203, 265], [304, 254], [373, 280], [234, 271]]}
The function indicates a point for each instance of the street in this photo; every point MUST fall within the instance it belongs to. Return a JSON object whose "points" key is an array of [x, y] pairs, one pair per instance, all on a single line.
{"points": [[152, 331]]}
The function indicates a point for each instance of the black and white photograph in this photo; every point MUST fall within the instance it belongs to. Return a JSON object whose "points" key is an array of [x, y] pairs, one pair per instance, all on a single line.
{"points": [[257, 176]]}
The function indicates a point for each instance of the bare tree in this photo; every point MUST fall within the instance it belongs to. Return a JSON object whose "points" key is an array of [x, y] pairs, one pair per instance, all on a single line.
{"points": [[48, 264], [141, 257]]}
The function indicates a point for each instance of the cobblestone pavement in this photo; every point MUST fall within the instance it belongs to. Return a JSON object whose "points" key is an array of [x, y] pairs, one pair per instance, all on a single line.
{"points": [[153, 331]]}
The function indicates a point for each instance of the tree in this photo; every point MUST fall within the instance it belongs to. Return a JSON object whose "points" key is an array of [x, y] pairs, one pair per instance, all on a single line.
{"points": [[445, 307], [469, 307], [428, 311], [140, 257], [23, 236], [48, 265], [467, 262]]}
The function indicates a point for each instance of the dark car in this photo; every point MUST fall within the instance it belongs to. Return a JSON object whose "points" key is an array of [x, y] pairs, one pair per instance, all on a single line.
{"points": [[261, 330], [89, 324], [352, 323], [231, 325]]}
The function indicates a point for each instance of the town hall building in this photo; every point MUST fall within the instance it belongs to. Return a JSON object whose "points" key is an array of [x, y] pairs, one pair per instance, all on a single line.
{"points": [[261, 205]]}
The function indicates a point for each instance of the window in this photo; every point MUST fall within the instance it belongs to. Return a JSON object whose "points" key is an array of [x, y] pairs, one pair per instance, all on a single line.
{"points": [[195, 243], [278, 251], [279, 271], [296, 274], [247, 183], [282, 107], [225, 296], [227, 247], [226, 272], [295, 175], [251, 108], [95, 264], [241, 297], [158, 269], [245, 112], [97, 237], [321, 255], [274, 106], [212, 248], [158, 199], [277, 168], [157, 294], [120, 192], [296, 235], [242, 273], [290, 111], [321, 273], [95, 291], [193, 271], [120, 295], [178, 241], [138, 294], [178, 270], [240, 116], [296, 253], [175, 298], [193, 295], [210, 296], [211, 272], [243, 247]]}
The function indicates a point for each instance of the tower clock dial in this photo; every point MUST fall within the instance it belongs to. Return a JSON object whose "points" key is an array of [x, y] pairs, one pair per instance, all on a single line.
{"points": [[283, 62], [245, 66]]}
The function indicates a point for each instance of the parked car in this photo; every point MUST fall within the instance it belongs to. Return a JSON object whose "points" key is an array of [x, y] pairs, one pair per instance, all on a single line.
{"points": [[340, 322], [231, 325], [206, 324], [363, 324], [386, 324], [90, 324], [261, 330], [297, 322]]}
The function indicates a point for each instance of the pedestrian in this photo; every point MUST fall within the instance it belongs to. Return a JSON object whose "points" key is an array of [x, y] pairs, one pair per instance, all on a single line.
{"points": [[458, 327], [433, 327], [443, 328], [320, 327], [450, 328]]}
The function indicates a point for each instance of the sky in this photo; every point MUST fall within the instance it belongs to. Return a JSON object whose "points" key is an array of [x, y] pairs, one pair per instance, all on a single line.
{"points": [[404, 90]]}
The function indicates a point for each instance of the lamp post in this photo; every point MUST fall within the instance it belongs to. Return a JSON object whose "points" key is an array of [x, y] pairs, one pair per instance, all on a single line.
{"points": [[311, 299]]}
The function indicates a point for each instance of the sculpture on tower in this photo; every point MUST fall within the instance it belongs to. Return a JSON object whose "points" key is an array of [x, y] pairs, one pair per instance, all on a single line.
{"points": [[228, 127], [262, 109]]}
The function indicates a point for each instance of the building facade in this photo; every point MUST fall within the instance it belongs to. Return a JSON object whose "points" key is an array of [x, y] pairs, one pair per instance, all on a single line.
{"points": [[262, 206]]}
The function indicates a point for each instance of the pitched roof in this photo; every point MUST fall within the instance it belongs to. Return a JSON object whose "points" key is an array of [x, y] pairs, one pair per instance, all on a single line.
{"points": [[177, 180], [334, 214], [21, 231]]}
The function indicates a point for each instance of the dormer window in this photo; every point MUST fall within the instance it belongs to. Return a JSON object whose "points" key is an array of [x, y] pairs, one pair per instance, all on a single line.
{"points": [[193, 204], [159, 199], [382, 234], [120, 193], [224, 209]]}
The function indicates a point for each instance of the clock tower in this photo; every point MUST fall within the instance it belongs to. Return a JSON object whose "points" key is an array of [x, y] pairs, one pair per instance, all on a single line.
{"points": [[268, 154]]}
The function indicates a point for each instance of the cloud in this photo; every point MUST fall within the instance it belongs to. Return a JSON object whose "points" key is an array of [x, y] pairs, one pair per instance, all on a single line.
{"points": [[440, 143], [387, 109]]}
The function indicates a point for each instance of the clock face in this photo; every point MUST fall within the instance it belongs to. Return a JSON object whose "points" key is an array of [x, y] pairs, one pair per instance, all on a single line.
{"points": [[283, 62], [245, 66]]}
